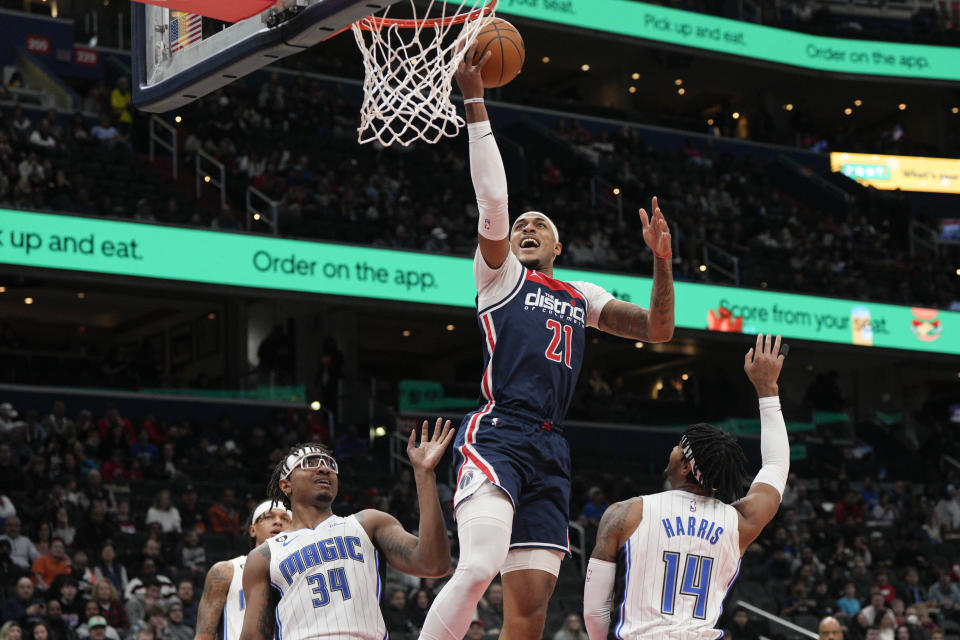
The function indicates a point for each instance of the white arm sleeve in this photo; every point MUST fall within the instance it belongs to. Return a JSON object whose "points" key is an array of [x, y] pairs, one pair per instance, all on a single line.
{"points": [[598, 597], [597, 297], [774, 445], [489, 181]]}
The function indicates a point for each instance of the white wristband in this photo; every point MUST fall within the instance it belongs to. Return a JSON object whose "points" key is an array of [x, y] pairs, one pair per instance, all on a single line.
{"points": [[472, 100]]}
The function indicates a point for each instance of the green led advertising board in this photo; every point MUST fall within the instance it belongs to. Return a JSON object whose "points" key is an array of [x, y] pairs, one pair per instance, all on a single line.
{"points": [[735, 37], [233, 259]]}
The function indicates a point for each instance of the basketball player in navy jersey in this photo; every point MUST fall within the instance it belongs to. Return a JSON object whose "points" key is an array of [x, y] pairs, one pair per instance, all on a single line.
{"points": [[321, 577], [513, 482], [222, 603], [677, 553]]}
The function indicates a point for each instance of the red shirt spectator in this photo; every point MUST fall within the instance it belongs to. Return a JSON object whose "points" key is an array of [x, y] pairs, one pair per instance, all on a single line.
{"points": [[223, 516], [112, 418], [848, 510]]}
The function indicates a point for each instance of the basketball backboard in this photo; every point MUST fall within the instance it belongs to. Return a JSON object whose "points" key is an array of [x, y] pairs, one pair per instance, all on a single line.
{"points": [[173, 64]]}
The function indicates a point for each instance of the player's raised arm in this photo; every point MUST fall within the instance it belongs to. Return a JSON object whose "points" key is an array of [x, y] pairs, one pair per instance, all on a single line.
{"points": [[426, 556], [486, 165], [618, 522], [210, 609], [656, 323], [762, 365], [261, 600]]}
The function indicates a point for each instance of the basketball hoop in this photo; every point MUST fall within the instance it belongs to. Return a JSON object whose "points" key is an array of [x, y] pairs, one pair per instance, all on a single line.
{"points": [[408, 70]]}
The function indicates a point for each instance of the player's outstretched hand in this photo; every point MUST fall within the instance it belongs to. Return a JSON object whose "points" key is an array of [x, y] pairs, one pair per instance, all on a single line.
{"points": [[428, 454], [656, 231], [468, 74], [763, 363]]}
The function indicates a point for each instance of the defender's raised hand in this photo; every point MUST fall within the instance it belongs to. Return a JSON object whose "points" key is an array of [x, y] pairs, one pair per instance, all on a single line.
{"points": [[468, 74], [763, 363], [656, 231], [428, 454]]}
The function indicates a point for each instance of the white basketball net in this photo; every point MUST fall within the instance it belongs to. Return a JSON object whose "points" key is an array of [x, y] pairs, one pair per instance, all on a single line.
{"points": [[408, 74]]}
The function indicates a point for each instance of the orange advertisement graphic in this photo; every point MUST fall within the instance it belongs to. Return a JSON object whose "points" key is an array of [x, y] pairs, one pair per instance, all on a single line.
{"points": [[925, 324], [722, 320]]}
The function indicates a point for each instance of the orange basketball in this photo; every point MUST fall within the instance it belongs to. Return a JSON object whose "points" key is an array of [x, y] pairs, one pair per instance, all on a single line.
{"points": [[507, 53]]}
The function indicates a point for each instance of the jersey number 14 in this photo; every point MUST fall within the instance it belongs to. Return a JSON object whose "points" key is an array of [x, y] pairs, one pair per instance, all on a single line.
{"points": [[696, 582]]}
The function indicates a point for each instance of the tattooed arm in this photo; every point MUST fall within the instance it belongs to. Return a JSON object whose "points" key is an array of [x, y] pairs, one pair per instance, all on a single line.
{"points": [[630, 321], [618, 522], [636, 323], [261, 600], [212, 601]]}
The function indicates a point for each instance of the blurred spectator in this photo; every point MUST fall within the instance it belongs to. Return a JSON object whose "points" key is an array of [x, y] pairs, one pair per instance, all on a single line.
{"points": [[176, 628], [191, 513], [163, 511], [71, 602], [740, 627], [945, 593], [40, 630], [849, 605], [22, 551], [42, 138], [476, 630], [145, 451], [418, 606], [109, 569], [63, 529], [148, 576], [46, 568], [10, 631], [80, 569], [107, 598], [120, 100], [593, 510], [223, 516], [189, 603], [193, 555], [829, 629], [395, 617], [10, 571], [870, 616], [490, 609], [106, 134], [912, 591], [154, 620], [97, 628], [24, 607], [948, 509], [572, 629]]}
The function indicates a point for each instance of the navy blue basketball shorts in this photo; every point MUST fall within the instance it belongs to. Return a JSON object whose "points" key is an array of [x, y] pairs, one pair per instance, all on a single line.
{"points": [[529, 461]]}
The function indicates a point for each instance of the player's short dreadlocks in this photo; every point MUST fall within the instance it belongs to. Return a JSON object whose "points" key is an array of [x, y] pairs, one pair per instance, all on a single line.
{"points": [[273, 485], [719, 459]]}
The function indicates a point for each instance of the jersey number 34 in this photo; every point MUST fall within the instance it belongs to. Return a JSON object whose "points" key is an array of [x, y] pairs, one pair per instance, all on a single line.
{"points": [[696, 582], [337, 581]]}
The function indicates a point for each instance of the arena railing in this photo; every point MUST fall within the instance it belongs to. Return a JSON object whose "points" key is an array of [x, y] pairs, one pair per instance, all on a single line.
{"points": [[158, 140], [714, 258], [778, 620], [204, 177], [256, 214]]}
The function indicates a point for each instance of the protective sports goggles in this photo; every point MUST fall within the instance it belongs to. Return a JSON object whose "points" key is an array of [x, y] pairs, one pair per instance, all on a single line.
{"points": [[309, 458]]}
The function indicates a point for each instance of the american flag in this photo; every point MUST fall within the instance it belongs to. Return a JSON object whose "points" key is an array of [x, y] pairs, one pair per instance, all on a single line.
{"points": [[185, 29]]}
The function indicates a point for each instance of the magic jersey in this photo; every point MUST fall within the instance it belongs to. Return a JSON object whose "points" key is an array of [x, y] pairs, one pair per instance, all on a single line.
{"points": [[674, 571], [329, 582], [533, 331], [234, 605]]}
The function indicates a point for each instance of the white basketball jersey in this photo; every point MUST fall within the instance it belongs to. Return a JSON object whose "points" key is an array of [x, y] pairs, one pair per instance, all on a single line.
{"points": [[234, 606], [329, 581], [674, 571]]}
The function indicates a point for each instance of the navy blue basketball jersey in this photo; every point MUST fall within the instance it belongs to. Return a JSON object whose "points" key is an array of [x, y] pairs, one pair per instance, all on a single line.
{"points": [[533, 330]]}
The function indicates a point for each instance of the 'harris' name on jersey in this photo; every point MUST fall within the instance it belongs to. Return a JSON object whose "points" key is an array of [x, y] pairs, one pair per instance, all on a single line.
{"points": [[549, 303], [695, 527], [316, 553]]}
